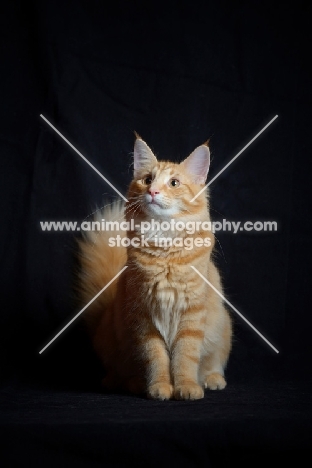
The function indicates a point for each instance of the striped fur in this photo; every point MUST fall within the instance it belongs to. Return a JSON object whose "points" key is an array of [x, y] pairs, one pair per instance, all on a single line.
{"points": [[159, 329]]}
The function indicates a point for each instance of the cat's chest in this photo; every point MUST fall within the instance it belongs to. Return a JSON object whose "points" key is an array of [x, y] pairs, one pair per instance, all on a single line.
{"points": [[168, 304]]}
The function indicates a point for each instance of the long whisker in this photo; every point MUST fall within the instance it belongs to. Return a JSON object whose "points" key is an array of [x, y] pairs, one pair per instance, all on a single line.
{"points": [[99, 209], [221, 248]]}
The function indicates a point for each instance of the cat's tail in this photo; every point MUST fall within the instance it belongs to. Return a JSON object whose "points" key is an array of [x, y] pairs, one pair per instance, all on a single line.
{"points": [[100, 262]]}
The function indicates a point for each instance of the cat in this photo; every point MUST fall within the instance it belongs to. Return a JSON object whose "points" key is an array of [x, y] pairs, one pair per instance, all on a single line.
{"points": [[159, 329]]}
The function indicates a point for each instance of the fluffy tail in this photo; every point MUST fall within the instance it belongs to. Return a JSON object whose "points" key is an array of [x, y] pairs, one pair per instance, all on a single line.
{"points": [[99, 263]]}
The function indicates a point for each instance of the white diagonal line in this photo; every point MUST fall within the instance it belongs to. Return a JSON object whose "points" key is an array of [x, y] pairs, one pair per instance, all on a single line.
{"points": [[82, 310], [234, 308], [85, 159], [235, 157]]}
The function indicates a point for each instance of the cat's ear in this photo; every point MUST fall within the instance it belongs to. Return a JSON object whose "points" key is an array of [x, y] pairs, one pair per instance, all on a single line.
{"points": [[143, 157], [197, 164]]}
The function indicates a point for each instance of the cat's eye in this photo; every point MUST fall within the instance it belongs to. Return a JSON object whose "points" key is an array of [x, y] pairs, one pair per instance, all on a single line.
{"points": [[174, 183], [147, 180]]}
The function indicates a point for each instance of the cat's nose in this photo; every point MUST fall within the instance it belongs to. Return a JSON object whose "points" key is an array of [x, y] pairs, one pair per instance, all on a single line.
{"points": [[153, 192]]}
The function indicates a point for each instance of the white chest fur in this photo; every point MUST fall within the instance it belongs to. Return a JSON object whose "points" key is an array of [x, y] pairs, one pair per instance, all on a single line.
{"points": [[167, 309]]}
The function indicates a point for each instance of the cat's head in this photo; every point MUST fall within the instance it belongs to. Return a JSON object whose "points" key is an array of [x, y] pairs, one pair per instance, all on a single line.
{"points": [[163, 189]]}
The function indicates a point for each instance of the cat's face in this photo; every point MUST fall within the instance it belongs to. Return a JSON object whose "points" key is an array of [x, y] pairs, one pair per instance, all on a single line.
{"points": [[163, 189]]}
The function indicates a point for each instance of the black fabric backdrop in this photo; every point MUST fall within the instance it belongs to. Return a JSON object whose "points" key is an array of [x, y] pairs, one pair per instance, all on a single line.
{"points": [[178, 73]]}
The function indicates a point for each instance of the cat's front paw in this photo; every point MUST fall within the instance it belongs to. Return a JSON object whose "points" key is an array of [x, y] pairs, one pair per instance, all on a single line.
{"points": [[215, 381], [188, 392], [160, 391]]}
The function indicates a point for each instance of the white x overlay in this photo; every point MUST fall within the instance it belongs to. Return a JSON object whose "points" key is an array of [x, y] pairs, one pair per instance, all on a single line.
{"points": [[234, 308], [85, 159], [121, 271], [235, 157], [85, 307]]}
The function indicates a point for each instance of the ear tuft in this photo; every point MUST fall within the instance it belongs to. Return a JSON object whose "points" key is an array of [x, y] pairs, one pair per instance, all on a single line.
{"points": [[137, 136]]}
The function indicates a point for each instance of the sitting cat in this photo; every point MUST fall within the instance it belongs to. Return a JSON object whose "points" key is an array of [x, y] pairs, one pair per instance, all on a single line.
{"points": [[158, 329]]}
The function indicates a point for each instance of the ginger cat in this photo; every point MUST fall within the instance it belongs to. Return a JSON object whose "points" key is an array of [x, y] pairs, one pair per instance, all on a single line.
{"points": [[159, 329]]}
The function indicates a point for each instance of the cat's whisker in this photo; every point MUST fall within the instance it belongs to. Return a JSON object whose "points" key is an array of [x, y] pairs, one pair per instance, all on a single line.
{"points": [[136, 209], [213, 209], [133, 205], [99, 209], [220, 248]]}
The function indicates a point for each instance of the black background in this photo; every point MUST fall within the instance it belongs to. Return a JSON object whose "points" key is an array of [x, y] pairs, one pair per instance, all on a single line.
{"points": [[178, 73]]}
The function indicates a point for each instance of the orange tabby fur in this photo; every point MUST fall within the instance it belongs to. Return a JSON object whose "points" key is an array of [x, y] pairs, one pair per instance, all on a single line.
{"points": [[159, 328]]}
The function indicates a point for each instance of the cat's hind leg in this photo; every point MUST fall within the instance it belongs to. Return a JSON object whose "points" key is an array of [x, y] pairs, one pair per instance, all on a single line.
{"points": [[211, 369], [211, 372]]}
